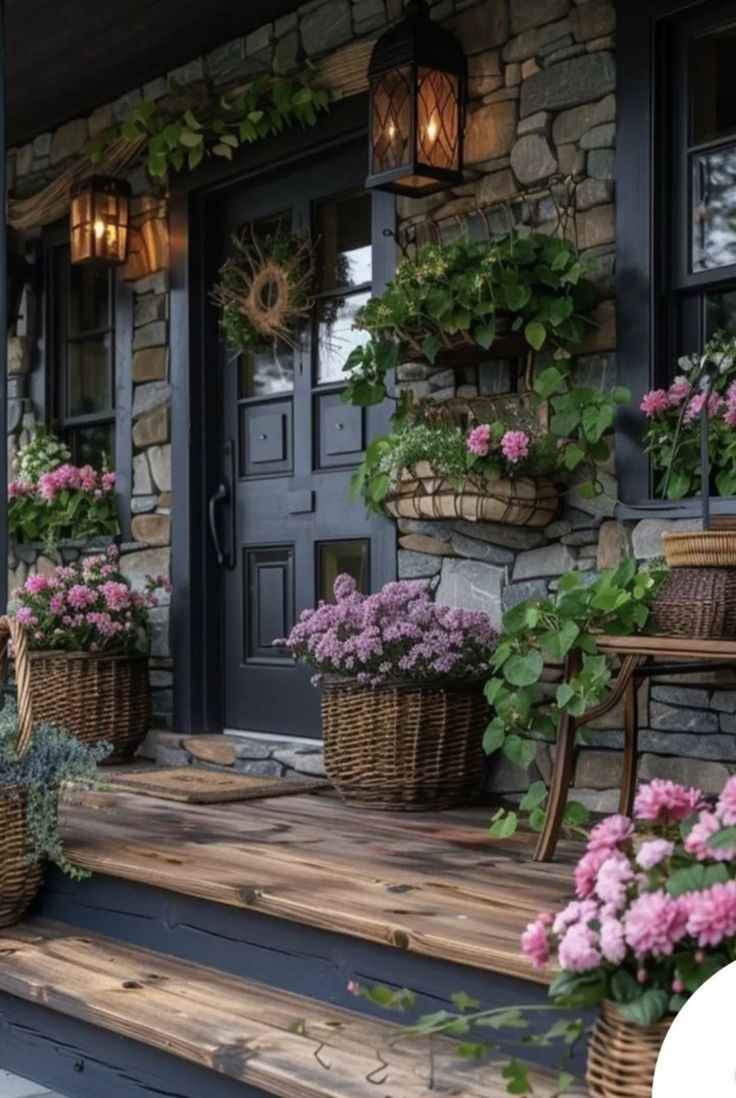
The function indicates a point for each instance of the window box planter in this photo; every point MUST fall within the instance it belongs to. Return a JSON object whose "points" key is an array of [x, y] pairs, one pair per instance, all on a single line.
{"points": [[404, 746], [424, 493], [94, 697]]}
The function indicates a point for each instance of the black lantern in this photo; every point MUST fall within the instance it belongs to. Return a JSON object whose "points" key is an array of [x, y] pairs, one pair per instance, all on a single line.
{"points": [[417, 76], [100, 214]]}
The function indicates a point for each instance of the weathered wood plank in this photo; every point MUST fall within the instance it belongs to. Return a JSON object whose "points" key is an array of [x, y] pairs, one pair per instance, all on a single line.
{"points": [[437, 886], [286, 1045]]}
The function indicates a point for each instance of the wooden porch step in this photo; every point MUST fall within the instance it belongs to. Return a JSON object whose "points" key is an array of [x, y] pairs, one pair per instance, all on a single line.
{"points": [[269, 1041]]}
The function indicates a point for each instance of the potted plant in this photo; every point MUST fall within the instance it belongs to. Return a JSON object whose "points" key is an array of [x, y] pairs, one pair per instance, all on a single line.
{"points": [[403, 711], [35, 761], [51, 499], [654, 918], [511, 293], [87, 631]]}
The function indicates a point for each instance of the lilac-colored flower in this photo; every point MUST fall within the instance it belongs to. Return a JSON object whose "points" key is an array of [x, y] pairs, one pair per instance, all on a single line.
{"points": [[612, 944], [535, 940], [653, 852], [80, 595], [579, 949], [26, 616], [36, 583], [612, 882]]}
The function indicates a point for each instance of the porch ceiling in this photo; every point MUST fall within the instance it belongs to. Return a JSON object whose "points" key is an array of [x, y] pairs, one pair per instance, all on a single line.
{"points": [[64, 58]]}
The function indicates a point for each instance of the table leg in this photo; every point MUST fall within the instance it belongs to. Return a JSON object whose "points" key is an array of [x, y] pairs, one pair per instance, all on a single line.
{"points": [[559, 786], [631, 744]]}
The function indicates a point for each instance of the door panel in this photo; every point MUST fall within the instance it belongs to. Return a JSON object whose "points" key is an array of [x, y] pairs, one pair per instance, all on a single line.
{"points": [[296, 445]]}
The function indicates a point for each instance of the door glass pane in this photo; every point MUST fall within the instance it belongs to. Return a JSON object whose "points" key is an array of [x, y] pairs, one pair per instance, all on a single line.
{"points": [[720, 312], [714, 209], [89, 384], [345, 241], [336, 336], [89, 299], [266, 372], [338, 558], [713, 85]]}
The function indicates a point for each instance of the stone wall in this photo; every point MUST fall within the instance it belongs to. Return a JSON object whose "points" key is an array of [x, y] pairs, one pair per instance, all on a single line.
{"points": [[540, 138]]}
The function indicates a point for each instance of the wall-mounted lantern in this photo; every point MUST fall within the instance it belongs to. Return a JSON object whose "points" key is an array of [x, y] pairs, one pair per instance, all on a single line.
{"points": [[100, 218], [417, 76]]}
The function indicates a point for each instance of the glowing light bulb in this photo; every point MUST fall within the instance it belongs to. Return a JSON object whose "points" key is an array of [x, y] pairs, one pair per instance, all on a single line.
{"points": [[391, 131], [432, 129], [99, 228]]}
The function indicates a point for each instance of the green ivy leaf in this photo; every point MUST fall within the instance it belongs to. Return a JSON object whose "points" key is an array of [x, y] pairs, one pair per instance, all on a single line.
{"points": [[535, 334], [430, 346], [503, 825], [523, 670], [516, 1074], [576, 813], [520, 751], [650, 1007], [494, 736], [723, 839]]}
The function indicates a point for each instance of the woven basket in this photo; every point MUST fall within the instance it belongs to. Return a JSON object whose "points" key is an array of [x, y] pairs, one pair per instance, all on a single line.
{"points": [[403, 746], [94, 697], [423, 493], [697, 602], [700, 549], [20, 878], [622, 1056]]}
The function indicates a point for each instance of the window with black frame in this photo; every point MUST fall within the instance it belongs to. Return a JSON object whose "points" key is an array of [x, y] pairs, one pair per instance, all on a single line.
{"points": [[703, 290], [84, 377]]}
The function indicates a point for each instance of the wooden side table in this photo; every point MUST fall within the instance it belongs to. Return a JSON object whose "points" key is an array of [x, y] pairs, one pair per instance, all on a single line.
{"points": [[674, 655]]}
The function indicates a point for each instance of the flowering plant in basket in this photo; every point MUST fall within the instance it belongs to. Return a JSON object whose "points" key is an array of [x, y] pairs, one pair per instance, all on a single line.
{"points": [[88, 606], [655, 913], [398, 633], [51, 499]]}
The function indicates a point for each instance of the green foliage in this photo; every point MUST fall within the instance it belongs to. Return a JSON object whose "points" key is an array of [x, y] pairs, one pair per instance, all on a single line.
{"points": [[52, 758], [193, 122], [541, 631], [496, 1029], [673, 435]]}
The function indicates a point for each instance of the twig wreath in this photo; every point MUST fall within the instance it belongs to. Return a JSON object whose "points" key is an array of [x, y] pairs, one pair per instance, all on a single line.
{"points": [[265, 289]]}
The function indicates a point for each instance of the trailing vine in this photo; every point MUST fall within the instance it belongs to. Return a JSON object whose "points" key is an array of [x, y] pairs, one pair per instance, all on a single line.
{"points": [[193, 122], [540, 632]]}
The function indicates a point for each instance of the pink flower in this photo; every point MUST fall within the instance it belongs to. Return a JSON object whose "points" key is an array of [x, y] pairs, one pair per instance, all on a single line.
{"points": [[664, 801], [116, 595], [26, 616], [678, 391], [586, 871], [80, 596], [712, 913], [578, 951], [36, 583], [697, 843], [576, 912], [654, 924], [479, 440], [87, 478], [108, 481], [613, 946], [654, 852], [695, 407], [726, 807], [535, 940], [610, 833], [613, 880], [655, 403], [729, 417], [48, 485], [56, 604], [515, 446]]}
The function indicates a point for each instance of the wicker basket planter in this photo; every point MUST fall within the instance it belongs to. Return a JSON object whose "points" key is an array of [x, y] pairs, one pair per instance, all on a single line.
{"points": [[424, 493], [700, 549], [93, 697], [20, 878], [404, 746], [697, 602], [622, 1056]]}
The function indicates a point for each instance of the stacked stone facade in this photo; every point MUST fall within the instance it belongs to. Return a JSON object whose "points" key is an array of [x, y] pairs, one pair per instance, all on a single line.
{"points": [[539, 152]]}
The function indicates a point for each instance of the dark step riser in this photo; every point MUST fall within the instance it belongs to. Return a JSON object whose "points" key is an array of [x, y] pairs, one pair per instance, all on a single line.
{"points": [[84, 1061], [282, 954]]}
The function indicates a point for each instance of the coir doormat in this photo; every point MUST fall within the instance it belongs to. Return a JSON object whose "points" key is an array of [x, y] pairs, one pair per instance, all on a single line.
{"points": [[189, 783]]}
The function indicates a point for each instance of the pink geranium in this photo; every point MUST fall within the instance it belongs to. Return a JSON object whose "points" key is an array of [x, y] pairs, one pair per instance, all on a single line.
{"points": [[655, 403], [711, 914], [679, 391], [664, 801], [610, 833], [515, 446], [479, 440], [654, 924]]}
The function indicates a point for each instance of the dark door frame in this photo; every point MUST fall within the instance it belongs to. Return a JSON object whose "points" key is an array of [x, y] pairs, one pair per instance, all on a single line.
{"points": [[196, 627]]}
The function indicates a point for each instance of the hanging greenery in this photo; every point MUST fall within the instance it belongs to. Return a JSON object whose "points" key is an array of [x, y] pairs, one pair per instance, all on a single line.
{"points": [[265, 289], [181, 129]]}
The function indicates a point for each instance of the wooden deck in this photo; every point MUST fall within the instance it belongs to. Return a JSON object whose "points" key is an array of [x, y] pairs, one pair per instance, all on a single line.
{"points": [[432, 884]]}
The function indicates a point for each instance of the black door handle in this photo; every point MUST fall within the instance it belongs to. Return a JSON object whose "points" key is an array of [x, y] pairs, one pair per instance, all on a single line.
{"points": [[219, 496]]}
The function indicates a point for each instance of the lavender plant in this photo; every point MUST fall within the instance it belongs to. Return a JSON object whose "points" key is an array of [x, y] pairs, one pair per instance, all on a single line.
{"points": [[398, 633], [53, 758]]}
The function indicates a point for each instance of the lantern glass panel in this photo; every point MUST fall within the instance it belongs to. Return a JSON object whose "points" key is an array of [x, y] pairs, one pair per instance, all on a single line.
{"points": [[392, 120], [438, 119]]}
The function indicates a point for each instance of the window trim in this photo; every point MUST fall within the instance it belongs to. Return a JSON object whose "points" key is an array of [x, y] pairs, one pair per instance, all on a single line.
{"points": [[648, 328], [45, 388]]}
